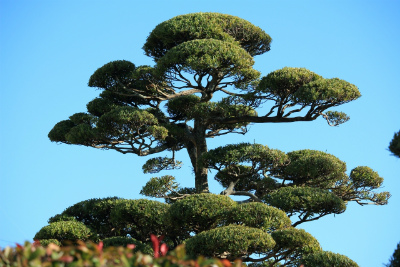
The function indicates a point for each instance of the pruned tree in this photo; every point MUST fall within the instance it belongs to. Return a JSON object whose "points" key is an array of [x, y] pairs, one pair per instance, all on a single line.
{"points": [[174, 105]]}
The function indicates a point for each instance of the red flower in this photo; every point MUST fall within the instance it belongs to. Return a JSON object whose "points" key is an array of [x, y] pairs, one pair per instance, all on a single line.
{"points": [[158, 249], [100, 246]]}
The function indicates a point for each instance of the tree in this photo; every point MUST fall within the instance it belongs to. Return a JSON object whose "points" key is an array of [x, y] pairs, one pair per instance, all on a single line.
{"points": [[394, 145], [176, 105], [394, 261]]}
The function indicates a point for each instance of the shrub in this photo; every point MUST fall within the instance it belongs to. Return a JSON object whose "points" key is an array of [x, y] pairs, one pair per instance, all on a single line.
{"points": [[327, 259], [94, 213], [239, 240], [66, 231], [200, 212], [140, 217]]}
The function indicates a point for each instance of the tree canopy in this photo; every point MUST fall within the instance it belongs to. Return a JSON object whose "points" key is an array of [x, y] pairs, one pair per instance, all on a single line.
{"points": [[173, 105]]}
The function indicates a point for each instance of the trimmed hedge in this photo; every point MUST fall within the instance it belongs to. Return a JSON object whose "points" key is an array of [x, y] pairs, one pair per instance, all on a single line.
{"points": [[232, 242], [66, 231], [200, 212]]}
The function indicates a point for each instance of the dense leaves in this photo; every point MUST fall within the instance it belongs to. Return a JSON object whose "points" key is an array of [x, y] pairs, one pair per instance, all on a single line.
{"points": [[283, 83], [327, 259], [57, 134], [207, 55], [309, 203], [140, 217], [311, 167], [258, 215], [230, 242], [205, 26], [66, 231], [160, 186], [292, 244], [328, 92], [94, 213], [200, 212]]}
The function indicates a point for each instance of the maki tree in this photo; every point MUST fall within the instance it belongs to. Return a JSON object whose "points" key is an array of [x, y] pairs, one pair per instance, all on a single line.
{"points": [[203, 85]]}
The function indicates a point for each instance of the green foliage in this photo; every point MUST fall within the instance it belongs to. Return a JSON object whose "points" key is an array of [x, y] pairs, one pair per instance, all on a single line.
{"points": [[283, 83], [258, 215], [228, 158], [100, 106], [176, 195], [394, 145], [307, 201], [158, 164], [232, 241], [294, 243], [217, 26], [46, 242], [112, 73], [200, 212], [311, 167], [330, 91], [394, 260], [203, 55], [66, 231], [81, 134], [160, 186], [336, 118], [116, 241], [327, 259], [57, 134], [181, 108], [140, 217], [128, 122], [365, 177], [94, 213]]}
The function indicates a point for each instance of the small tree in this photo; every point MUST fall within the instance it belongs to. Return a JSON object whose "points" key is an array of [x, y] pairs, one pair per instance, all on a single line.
{"points": [[173, 106]]}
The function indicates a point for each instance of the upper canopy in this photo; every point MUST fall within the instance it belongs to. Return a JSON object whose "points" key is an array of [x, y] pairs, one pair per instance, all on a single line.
{"points": [[206, 26]]}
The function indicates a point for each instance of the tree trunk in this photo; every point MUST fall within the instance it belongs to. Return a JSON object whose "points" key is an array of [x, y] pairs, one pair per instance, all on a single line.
{"points": [[196, 147]]}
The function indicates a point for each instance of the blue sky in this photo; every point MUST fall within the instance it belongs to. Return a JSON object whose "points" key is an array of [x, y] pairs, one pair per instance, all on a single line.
{"points": [[49, 49]]}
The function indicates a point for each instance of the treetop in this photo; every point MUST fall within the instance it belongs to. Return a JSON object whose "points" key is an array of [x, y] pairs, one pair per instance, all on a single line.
{"points": [[217, 26]]}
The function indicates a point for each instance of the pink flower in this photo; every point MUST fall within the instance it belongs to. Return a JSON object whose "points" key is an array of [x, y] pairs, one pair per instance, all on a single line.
{"points": [[131, 246]]}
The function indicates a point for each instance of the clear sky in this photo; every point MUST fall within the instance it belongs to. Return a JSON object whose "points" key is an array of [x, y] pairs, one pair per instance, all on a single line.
{"points": [[49, 49]]}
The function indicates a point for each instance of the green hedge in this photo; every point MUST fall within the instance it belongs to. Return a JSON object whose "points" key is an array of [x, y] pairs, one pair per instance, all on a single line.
{"points": [[66, 231]]}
